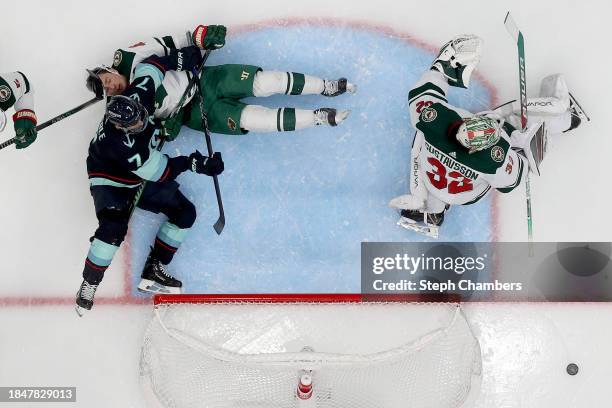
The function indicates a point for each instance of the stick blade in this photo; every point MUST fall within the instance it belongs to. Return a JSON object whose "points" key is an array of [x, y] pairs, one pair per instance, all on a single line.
{"points": [[511, 27], [220, 224]]}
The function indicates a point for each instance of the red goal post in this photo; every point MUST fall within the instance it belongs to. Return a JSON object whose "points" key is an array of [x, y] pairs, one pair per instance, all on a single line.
{"points": [[306, 298]]}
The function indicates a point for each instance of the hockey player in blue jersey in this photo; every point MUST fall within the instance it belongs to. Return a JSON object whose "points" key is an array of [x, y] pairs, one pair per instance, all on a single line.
{"points": [[122, 156]]}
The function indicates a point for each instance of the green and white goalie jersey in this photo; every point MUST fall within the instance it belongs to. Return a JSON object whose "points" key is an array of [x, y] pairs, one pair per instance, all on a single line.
{"points": [[442, 171]]}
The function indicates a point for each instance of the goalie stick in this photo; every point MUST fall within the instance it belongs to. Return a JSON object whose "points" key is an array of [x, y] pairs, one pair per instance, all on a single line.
{"points": [[517, 35], [56, 119]]}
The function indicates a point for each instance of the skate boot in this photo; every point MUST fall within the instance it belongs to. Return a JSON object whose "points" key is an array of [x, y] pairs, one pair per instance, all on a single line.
{"points": [[422, 222], [333, 88], [155, 278], [85, 297], [578, 114], [330, 116]]}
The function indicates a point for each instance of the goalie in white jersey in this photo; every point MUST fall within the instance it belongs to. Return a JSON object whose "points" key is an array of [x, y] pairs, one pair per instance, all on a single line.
{"points": [[457, 157]]}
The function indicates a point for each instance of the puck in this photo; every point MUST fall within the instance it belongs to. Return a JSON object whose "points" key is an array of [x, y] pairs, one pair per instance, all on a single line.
{"points": [[572, 369]]}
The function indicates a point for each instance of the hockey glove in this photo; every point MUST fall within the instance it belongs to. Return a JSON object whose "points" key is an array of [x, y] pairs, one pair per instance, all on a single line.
{"points": [[186, 58], [211, 166], [25, 128], [173, 126], [458, 59], [209, 37]]}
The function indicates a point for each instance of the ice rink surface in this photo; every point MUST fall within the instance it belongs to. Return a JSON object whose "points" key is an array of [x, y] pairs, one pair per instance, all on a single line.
{"points": [[276, 202]]}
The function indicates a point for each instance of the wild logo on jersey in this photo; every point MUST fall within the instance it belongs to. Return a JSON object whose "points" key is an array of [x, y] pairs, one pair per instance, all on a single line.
{"points": [[5, 93]]}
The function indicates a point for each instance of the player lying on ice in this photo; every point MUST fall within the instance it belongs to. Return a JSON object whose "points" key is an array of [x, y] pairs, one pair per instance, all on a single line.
{"points": [[121, 157], [457, 157], [16, 90], [223, 88]]}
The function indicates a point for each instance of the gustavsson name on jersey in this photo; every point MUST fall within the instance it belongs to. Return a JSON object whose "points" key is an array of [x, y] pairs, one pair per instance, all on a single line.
{"points": [[450, 163]]}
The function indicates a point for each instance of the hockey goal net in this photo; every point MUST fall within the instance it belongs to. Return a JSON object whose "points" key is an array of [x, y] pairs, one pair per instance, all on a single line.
{"points": [[332, 351]]}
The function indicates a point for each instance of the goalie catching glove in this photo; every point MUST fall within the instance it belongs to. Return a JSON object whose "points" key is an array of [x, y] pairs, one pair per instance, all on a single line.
{"points": [[458, 58], [209, 37]]}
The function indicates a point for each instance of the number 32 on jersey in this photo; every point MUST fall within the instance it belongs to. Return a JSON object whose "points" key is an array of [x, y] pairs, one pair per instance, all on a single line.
{"points": [[453, 181]]}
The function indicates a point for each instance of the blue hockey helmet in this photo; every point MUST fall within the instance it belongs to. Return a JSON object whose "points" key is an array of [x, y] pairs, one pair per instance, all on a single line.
{"points": [[127, 114]]}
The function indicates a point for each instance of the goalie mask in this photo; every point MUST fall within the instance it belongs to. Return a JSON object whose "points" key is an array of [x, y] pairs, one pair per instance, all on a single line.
{"points": [[478, 133]]}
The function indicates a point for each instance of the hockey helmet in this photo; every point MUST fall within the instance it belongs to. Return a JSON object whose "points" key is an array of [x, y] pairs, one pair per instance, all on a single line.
{"points": [[2, 120], [478, 133], [127, 114], [93, 81]]}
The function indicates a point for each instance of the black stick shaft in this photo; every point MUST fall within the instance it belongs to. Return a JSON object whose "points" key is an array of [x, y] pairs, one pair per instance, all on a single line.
{"points": [[54, 120]]}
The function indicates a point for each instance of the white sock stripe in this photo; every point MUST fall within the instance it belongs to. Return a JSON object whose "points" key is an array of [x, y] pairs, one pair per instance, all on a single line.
{"points": [[290, 87], [282, 117]]}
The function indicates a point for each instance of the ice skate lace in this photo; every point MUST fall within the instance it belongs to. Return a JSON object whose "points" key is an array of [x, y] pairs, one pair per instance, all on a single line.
{"points": [[331, 87], [88, 291], [161, 268]]}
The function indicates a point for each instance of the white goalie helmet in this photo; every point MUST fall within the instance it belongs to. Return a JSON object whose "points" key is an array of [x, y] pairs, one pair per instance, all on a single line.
{"points": [[479, 132], [2, 120]]}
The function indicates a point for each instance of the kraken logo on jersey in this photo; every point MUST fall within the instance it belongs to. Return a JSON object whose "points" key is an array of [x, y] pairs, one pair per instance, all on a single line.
{"points": [[429, 114], [5, 93], [117, 58], [244, 76]]}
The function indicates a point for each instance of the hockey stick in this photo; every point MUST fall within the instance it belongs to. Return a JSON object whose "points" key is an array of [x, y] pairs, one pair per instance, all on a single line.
{"points": [[517, 35], [179, 106], [55, 119], [220, 223]]}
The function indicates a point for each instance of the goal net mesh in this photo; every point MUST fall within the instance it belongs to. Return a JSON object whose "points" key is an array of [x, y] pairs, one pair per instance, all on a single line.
{"points": [[250, 354]]}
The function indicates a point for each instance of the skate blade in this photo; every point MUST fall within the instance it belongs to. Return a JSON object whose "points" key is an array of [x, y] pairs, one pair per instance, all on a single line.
{"points": [[80, 311], [431, 231], [149, 286]]}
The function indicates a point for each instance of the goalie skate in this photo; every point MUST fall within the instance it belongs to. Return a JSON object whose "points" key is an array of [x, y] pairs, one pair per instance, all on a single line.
{"points": [[578, 114], [422, 222], [429, 230]]}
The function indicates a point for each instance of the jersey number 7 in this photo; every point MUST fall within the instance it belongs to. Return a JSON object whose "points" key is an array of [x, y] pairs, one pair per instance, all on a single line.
{"points": [[439, 178]]}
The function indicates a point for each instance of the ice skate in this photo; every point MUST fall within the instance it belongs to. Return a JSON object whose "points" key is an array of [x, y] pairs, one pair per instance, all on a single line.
{"points": [[155, 278], [330, 116], [424, 223], [85, 297], [337, 87]]}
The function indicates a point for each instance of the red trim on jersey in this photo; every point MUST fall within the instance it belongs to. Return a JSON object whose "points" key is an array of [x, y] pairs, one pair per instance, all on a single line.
{"points": [[156, 64], [165, 175], [164, 245], [94, 266], [114, 178]]}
